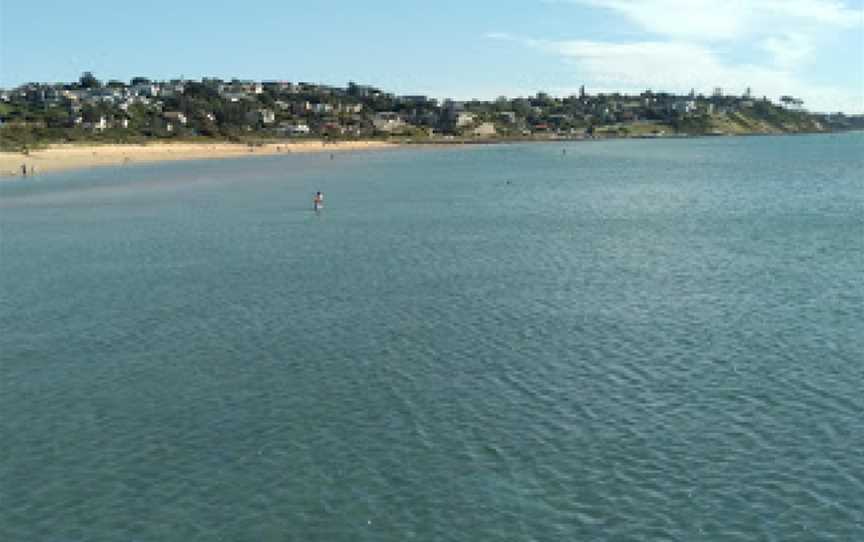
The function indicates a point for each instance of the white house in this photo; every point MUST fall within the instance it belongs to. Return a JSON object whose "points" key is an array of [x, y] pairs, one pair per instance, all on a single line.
{"points": [[684, 106], [463, 118], [288, 128], [264, 116], [387, 121], [484, 130], [145, 89], [235, 96]]}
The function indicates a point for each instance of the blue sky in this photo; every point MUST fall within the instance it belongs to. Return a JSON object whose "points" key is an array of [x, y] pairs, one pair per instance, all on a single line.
{"points": [[813, 49]]}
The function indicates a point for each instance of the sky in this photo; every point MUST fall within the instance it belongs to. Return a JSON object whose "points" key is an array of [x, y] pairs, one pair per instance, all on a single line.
{"points": [[810, 49]]}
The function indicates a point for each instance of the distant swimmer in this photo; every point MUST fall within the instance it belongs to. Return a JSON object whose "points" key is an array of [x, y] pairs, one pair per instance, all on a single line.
{"points": [[318, 201]]}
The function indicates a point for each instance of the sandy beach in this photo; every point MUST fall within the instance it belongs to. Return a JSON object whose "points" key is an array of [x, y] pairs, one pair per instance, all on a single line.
{"points": [[66, 157]]}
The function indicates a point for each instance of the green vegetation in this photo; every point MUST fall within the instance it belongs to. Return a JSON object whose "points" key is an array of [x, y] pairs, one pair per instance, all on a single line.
{"points": [[246, 111]]}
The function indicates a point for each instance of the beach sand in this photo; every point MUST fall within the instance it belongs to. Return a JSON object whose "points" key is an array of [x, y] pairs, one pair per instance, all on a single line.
{"points": [[65, 157]]}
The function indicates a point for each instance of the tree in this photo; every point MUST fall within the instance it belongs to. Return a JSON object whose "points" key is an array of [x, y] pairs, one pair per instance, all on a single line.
{"points": [[791, 101], [87, 80]]}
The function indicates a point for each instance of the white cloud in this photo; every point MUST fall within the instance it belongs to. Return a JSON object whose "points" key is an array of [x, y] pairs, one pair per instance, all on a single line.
{"points": [[699, 19], [827, 12], [789, 50], [712, 20], [678, 66]]}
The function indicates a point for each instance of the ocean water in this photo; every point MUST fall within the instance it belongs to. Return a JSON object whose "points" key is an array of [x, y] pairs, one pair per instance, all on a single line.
{"points": [[632, 340]]}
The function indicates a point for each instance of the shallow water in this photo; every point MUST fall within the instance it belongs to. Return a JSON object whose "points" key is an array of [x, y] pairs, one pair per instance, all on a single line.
{"points": [[635, 340]]}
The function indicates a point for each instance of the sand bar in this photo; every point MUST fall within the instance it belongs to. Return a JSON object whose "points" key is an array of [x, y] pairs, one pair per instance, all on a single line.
{"points": [[72, 156]]}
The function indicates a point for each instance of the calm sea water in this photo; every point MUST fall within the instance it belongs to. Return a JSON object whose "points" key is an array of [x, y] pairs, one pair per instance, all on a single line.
{"points": [[635, 340]]}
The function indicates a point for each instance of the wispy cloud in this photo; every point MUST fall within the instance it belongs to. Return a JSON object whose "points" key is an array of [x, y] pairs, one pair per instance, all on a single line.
{"points": [[710, 20], [789, 50]]}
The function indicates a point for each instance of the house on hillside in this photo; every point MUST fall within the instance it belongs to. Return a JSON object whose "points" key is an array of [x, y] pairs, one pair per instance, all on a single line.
{"points": [[263, 116], [174, 88], [486, 129], [685, 107], [387, 121], [293, 129], [235, 96], [144, 89], [349, 108], [461, 119]]}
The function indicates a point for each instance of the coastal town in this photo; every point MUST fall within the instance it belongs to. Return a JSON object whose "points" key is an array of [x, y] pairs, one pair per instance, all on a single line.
{"points": [[236, 110]]}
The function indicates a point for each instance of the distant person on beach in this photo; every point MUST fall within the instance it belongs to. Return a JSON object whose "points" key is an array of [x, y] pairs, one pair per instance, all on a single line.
{"points": [[23, 170]]}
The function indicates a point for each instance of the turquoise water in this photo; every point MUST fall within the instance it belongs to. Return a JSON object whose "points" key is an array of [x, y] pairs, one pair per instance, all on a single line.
{"points": [[635, 340]]}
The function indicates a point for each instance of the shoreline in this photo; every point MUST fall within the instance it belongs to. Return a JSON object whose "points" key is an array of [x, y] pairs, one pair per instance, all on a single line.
{"points": [[67, 157], [79, 156]]}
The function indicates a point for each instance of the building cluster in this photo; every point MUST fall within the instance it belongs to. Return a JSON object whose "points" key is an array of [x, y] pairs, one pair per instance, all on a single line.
{"points": [[213, 107]]}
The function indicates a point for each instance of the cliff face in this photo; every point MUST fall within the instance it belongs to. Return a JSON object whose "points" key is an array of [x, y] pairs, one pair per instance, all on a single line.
{"points": [[741, 123]]}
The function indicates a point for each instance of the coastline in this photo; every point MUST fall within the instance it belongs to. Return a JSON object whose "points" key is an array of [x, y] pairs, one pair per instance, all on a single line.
{"points": [[77, 156], [65, 157]]}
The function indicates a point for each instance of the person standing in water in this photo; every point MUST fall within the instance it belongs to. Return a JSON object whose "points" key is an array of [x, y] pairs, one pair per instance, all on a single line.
{"points": [[318, 201]]}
